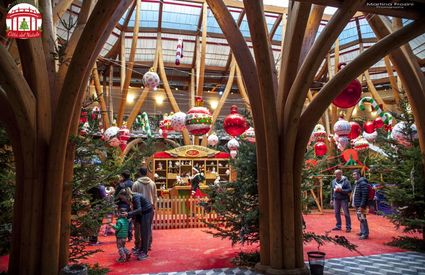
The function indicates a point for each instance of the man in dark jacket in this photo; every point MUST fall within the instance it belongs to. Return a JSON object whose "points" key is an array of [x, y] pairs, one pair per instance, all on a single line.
{"points": [[341, 188], [360, 202], [142, 212]]}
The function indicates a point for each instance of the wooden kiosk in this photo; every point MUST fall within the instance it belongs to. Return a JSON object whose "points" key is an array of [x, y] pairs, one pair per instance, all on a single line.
{"points": [[172, 169]]}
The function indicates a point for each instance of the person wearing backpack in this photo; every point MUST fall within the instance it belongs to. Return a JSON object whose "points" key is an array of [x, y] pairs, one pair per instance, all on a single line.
{"points": [[360, 202], [341, 188]]}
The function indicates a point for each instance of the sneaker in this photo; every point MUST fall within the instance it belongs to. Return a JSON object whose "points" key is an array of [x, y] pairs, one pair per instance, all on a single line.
{"points": [[134, 249], [121, 260], [348, 230], [358, 234], [336, 229], [142, 256], [363, 237]]}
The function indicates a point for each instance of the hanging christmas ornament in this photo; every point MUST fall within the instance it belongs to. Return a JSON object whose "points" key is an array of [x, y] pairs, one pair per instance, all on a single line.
{"points": [[386, 117], [178, 121], [369, 127], [370, 137], [96, 114], [319, 133], [123, 137], [151, 79], [378, 122], [235, 124], [142, 121], [355, 131], [400, 133], [83, 116], [342, 128], [249, 135], [85, 129], [320, 149], [233, 153], [179, 51], [165, 123], [212, 139], [198, 119], [343, 142], [110, 133], [361, 144], [233, 144], [350, 95]]}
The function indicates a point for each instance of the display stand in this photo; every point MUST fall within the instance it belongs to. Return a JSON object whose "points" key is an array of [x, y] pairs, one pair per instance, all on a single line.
{"points": [[171, 170]]}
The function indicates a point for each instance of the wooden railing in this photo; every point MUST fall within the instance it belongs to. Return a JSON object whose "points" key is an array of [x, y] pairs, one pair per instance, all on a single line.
{"points": [[182, 213]]}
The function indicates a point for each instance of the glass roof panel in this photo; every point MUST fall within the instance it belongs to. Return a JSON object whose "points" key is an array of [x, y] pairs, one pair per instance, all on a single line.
{"points": [[270, 20], [245, 28], [149, 15], [365, 29], [349, 34], [180, 16], [212, 25]]}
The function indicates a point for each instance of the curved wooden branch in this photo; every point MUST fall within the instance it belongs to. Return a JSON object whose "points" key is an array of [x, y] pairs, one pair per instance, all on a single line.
{"points": [[247, 65], [130, 146], [130, 65], [171, 142], [100, 97], [366, 59], [18, 92], [49, 41], [200, 87], [242, 90], [101, 23], [60, 9]]}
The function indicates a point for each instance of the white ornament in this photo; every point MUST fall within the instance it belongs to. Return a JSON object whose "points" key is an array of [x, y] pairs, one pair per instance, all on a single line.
{"points": [[178, 121], [342, 128], [343, 142], [233, 144], [233, 153], [370, 137], [399, 135], [213, 140], [110, 133], [151, 80]]}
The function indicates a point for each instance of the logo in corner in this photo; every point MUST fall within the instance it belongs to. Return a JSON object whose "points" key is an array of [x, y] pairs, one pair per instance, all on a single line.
{"points": [[23, 21]]}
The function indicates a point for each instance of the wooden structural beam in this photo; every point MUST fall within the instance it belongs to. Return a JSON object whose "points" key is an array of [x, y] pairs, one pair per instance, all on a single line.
{"points": [[100, 97], [393, 81], [129, 69], [242, 89], [200, 87], [374, 92]]}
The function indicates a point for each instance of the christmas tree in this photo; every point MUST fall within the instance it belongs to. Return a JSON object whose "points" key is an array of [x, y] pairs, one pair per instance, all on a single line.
{"points": [[24, 25], [402, 173]]}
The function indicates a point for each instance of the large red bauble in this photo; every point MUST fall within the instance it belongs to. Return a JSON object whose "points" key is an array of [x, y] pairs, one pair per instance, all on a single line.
{"points": [[320, 149], [235, 124], [378, 122], [356, 130], [350, 96], [369, 127]]}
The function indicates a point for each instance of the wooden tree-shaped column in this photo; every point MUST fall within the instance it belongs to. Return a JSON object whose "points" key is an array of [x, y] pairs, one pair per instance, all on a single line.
{"points": [[282, 126], [40, 107]]}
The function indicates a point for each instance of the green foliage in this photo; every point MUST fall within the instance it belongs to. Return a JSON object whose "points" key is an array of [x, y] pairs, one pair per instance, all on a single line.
{"points": [[7, 191], [402, 170], [322, 239], [96, 269], [247, 259], [236, 203], [408, 243]]}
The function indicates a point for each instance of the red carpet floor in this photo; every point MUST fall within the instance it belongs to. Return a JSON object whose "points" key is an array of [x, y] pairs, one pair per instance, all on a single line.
{"points": [[191, 249]]}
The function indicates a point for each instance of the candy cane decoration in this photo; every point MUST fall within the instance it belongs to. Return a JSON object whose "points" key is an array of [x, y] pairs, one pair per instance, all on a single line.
{"points": [[179, 51], [386, 117], [143, 120]]}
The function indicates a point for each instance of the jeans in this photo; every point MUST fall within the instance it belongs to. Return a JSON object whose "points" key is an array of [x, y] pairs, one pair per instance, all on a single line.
{"points": [[145, 227], [364, 228], [121, 248], [337, 206]]}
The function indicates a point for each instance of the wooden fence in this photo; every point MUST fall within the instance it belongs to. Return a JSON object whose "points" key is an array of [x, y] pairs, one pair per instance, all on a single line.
{"points": [[182, 213]]}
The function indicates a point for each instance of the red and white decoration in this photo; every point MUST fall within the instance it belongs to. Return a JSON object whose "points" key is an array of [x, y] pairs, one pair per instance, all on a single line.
{"points": [[361, 144], [369, 127], [151, 79], [165, 126], [355, 131], [235, 124], [198, 119], [123, 137], [178, 121], [342, 129], [233, 146], [399, 134], [319, 133], [179, 51], [111, 136], [212, 139], [249, 135], [370, 137]]}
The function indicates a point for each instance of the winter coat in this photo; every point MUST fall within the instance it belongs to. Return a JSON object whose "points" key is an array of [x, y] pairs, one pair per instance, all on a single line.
{"points": [[361, 193], [141, 206], [121, 228], [345, 186], [147, 188], [122, 185]]}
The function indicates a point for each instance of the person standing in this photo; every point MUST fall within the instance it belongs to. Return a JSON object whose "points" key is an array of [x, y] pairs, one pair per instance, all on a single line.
{"points": [[341, 189], [121, 232], [124, 182], [147, 187], [360, 202], [142, 213]]}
